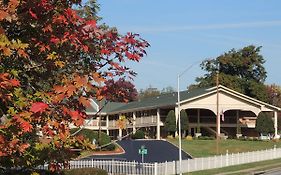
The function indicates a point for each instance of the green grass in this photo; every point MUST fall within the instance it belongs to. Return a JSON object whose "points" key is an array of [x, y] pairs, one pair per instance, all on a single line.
{"points": [[205, 148], [241, 169]]}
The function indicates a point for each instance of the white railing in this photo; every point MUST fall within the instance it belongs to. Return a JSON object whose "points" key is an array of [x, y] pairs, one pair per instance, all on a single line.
{"points": [[140, 121], [146, 120], [169, 168]]}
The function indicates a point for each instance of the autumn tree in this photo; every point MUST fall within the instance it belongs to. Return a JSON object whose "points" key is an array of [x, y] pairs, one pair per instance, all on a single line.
{"points": [[241, 70], [53, 58], [273, 92]]}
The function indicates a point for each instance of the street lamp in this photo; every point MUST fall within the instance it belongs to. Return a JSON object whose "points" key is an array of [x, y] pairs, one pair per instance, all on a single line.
{"points": [[179, 118]]}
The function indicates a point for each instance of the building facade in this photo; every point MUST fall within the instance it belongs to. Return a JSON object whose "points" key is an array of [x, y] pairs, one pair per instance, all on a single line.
{"points": [[237, 113]]}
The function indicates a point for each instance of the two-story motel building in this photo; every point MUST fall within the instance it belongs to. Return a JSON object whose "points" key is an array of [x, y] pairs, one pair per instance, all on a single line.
{"points": [[238, 113]]}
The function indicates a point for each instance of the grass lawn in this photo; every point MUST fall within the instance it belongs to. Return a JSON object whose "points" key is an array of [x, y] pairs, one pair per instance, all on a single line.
{"points": [[241, 169], [205, 148]]}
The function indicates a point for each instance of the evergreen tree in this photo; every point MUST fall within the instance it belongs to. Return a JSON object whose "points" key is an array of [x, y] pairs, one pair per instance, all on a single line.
{"points": [[264, 124], [184, 122], [170, 122]]}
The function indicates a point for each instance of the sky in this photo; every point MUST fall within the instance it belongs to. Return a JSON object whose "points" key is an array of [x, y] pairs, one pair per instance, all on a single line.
{"points": [[182, 33]]}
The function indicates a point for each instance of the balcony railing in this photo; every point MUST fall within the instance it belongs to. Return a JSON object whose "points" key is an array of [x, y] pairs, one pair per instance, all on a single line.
{"points": [[140, 122]]}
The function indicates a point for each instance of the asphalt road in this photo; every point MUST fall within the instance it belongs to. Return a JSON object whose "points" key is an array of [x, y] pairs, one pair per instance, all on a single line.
{"points": [[157, 151]]}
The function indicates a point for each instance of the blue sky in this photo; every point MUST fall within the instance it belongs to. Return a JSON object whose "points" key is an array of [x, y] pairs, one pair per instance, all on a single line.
{"points": [[184, 32]]}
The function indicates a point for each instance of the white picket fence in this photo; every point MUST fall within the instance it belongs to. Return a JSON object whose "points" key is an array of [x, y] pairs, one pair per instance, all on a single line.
{"points": [[114, 167]]}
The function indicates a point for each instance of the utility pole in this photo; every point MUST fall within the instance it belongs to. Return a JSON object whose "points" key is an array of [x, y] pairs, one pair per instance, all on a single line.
{"points": [[218, 115]]}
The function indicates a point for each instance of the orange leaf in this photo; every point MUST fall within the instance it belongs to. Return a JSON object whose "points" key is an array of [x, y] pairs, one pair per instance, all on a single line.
{"points": [[84, 101], [70, 90], [59, 89], [3, 15], [97, 77], [38, 107], [80, 81]]}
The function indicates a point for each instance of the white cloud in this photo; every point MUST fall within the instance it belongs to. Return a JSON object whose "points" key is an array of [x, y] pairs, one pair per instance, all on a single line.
{"points": [[256, 24]]}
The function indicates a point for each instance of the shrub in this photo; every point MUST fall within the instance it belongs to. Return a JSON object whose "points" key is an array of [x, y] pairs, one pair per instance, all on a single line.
{"points": [[170, 137], [85, 171], [138, 135], [91, 135], [264, 123], [188, 137]]}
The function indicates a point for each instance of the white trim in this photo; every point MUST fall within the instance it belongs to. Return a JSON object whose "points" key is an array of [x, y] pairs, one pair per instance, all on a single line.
{"points": [[236, 94]]}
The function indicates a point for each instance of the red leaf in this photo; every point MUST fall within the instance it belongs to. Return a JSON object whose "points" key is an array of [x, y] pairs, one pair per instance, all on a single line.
{"points": [[38, 107], [32, 14], [74, 115], [55, 40], [15, 82], [26, 126]]}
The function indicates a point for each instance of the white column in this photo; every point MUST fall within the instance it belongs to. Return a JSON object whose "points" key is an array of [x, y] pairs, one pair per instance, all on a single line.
{"points": [[134, 122], [198, 121], [107, 124], [237, 122], [158, 125], [275, 123], [120, 130]]}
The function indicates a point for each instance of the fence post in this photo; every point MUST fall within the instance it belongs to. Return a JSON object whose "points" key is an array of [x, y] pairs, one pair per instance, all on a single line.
{"points": [[155, 168], [188, 162], [238, 158], [274, 150], [221, 160], [174, 167], [202, 164], [227, 158], [166, 166]]}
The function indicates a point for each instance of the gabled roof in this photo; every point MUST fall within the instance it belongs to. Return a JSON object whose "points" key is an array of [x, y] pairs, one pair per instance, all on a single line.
{"points": [[170, 100], [163, 100]]}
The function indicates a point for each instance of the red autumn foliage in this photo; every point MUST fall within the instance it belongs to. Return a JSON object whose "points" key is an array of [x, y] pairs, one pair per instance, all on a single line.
{"points": [[53, 60]]}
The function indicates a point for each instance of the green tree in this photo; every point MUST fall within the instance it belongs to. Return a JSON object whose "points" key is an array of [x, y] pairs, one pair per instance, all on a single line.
{"points": [[264, 123], [152, 92], [184, 122], [170, 122], [241, 70]]}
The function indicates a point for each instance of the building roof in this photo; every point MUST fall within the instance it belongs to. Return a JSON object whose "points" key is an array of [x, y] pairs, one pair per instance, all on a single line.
{"points": [[163, 100], [168, 100]]}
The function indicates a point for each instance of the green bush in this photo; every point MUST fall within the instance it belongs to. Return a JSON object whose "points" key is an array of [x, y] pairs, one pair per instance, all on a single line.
{"points": [[91, 135], [85, 171], [138, 135]]}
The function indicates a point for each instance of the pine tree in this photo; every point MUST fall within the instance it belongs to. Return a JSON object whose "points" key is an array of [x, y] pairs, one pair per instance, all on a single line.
{"points": [[170, 122]]}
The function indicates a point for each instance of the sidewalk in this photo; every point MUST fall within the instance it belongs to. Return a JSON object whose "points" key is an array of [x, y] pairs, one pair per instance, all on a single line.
{"points": [[256, 170]]}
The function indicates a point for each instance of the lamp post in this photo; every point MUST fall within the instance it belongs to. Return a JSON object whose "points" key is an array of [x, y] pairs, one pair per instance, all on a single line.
{"points": [[179, 118]]}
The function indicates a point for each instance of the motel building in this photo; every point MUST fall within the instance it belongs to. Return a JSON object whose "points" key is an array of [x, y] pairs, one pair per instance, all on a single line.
{"points": [[238, 113]]}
